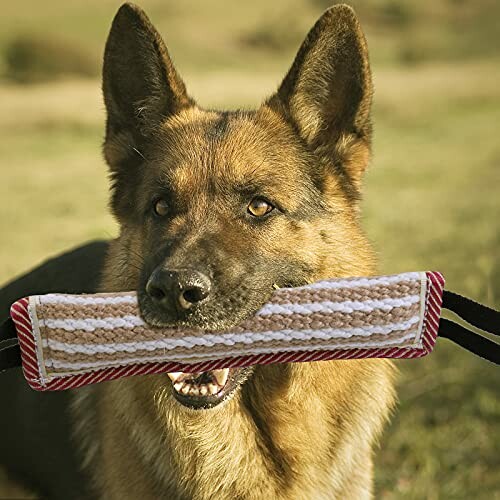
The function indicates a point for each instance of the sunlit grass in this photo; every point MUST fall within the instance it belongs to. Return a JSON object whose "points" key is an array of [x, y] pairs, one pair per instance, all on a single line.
{"points": [[432, 202]]}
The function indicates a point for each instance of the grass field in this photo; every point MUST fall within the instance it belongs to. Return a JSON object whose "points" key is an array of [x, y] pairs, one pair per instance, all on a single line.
{"points": [[432, 202]]}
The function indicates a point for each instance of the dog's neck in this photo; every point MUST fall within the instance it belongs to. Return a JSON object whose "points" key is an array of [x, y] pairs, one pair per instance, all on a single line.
{"points": [[286, 434]]}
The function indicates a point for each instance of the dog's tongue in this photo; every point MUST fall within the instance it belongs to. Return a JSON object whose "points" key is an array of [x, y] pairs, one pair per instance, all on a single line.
{"points": [[199, 383]]}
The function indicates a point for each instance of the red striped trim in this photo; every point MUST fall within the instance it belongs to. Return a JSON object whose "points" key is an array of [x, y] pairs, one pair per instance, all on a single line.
{"points": [[34, 376]]}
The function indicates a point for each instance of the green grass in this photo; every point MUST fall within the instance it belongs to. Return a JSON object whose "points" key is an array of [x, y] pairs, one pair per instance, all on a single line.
{"points": [[432, 203], [432, 193]]}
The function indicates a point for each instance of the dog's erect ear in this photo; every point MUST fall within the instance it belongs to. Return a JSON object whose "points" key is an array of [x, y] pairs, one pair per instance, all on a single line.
{"points": [[327, 92], [140, 84]]}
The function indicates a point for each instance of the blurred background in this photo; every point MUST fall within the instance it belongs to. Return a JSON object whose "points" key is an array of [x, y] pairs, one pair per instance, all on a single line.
{"points": [[432, 193]]}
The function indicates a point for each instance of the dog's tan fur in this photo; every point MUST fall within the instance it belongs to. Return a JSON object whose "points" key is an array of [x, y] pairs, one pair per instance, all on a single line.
{"points": [[298, 431]]}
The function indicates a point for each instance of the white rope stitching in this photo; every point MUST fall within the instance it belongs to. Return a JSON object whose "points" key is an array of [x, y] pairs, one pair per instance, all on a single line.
{"points": [[346, 306], [58, 298], [80, 300], [228, 339], [214, 355], [358, 282], [131, 321]]}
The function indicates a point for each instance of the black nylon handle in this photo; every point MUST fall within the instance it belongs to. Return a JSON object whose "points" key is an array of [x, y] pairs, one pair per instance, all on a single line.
{"points": [[10, 353], [473, 342], [475, 314], [483, 317], [7, 330]]}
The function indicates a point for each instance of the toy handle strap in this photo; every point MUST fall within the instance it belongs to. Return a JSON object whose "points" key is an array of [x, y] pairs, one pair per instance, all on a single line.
{"points": [[477, 315], [10, 353], [473, 342]]}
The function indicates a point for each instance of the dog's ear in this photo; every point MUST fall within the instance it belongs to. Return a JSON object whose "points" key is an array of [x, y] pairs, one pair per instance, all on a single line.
{"points": [[327, 92], [140, 84], [141, 89]]}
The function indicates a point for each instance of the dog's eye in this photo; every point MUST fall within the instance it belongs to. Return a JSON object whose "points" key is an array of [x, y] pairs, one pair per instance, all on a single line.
{"points": [[259, 207], [160, 207]]}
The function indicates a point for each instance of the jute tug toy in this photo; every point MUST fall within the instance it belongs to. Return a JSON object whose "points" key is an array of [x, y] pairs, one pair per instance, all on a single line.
{"points": [[68, 341]]}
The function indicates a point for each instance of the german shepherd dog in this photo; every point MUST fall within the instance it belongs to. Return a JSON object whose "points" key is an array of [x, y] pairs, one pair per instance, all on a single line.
{"points": [[215, 210]]}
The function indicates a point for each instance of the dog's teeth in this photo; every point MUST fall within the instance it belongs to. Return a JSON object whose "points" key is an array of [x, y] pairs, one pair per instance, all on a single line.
{"points": [[221, 376], [174, 376], [184, 383]]}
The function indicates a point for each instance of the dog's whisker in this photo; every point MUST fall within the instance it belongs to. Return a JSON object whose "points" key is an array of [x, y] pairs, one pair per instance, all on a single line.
{"points": [[138, 152]]}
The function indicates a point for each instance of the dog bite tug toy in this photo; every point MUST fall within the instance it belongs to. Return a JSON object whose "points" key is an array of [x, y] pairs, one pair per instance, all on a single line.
{"points": [[68, 341]]}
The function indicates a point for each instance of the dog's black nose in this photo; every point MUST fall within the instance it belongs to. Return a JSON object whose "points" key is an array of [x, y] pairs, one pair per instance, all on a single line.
{"points": [[178, 288]]}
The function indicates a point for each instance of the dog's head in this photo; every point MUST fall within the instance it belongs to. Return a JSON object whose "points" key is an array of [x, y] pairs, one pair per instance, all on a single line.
{"points": [[217, 208]]}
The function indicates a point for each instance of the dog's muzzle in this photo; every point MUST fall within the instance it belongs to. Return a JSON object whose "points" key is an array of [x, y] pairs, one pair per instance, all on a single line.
{"points": [[177, 290]]}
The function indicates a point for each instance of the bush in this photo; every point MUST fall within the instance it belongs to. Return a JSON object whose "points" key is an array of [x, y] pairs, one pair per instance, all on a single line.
{"points": [[31, 58]]}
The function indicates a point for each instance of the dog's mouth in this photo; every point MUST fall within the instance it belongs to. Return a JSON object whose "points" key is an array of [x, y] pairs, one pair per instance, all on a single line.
{"points": [[203, 390]]}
